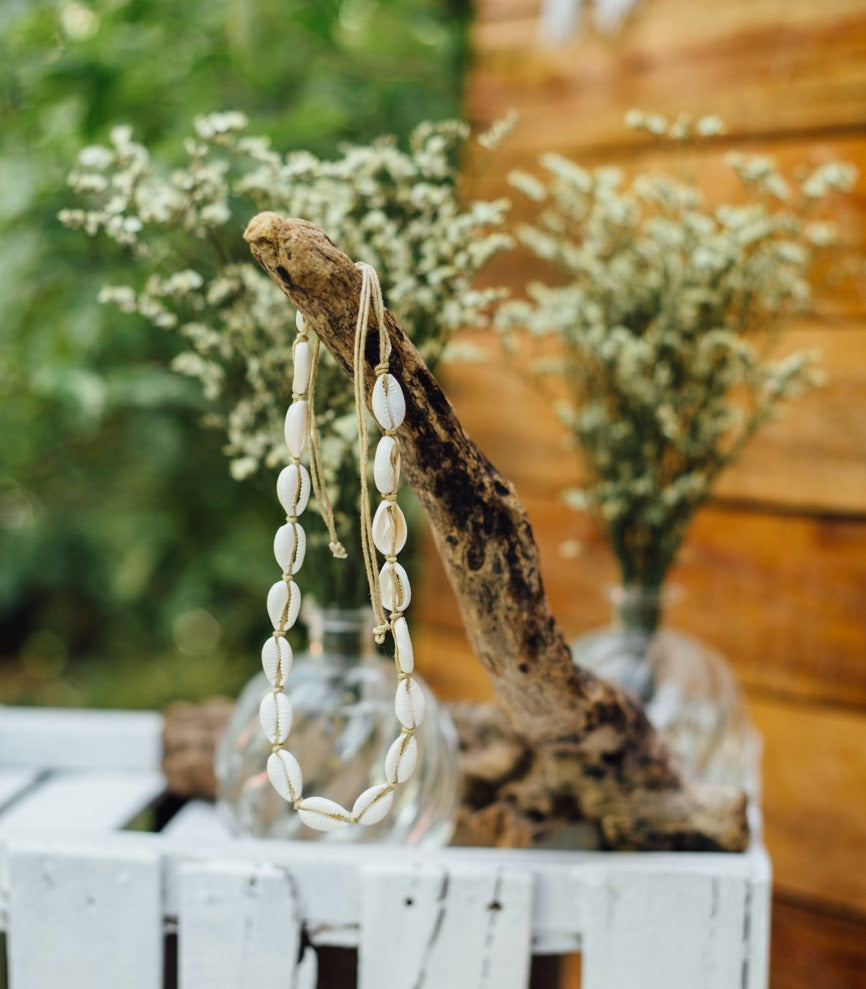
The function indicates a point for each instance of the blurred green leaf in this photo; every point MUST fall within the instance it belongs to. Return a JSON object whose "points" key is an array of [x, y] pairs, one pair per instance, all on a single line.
{"points": [[117, 515]]}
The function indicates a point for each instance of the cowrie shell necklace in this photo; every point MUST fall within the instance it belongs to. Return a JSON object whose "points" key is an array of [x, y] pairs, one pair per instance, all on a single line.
{"points": [[385, 531]]}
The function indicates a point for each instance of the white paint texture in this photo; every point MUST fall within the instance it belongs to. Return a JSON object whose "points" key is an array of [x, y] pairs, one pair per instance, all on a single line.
{"points": [[86, 905]]}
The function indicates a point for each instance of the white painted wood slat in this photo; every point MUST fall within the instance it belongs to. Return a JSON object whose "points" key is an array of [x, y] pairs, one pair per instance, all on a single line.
{"points": [[759, 895], [82, 916], [460, 927], [14, 782], [654, 927], [239, 927], [64, 738], [76, 802], [198, 819], [89, 911]]}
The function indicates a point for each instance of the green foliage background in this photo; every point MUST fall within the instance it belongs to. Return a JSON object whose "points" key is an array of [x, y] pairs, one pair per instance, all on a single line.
{"points": [[131, 566]]}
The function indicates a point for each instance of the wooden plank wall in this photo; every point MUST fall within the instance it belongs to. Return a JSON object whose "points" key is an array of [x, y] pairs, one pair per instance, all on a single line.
{"points": [[774, 571]]}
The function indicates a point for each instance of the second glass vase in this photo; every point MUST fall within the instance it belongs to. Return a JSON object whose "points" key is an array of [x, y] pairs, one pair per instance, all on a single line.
{"points": [[687, 689]]}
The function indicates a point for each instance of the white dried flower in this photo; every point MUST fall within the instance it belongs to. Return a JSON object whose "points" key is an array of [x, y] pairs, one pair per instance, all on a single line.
{"points": [[498, 131], [710, 126], [664, 314], [398, 210], [94, 156]]}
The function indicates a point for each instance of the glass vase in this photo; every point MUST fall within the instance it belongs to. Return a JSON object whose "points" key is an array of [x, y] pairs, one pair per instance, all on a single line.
{"points": [[687, 689], [342, 695]]}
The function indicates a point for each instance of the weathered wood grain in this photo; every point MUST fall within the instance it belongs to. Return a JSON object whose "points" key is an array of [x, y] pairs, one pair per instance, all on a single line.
{"points": [[738, 61], [671, 929], [815, 801], [84, 917], [812, 946], [239, 928], [466, 930], [782, 596], [597, 745]]}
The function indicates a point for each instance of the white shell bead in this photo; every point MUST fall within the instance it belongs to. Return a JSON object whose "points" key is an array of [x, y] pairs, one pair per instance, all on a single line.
{"points": [[409, 703], [386, 465], [277, 660], [373, 804], [389, 405], [300, 322], [275, 714], [394, 587], [403, 651], [401, 760], [290, 546], [302, 364], [296, 427], [389, 529], [293, 488], [285, 775], [323, 814], [284, 603]]}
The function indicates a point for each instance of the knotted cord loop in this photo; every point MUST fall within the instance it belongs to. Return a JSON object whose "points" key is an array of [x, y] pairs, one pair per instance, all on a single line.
{"points": [[317, 476], [371, 296]]}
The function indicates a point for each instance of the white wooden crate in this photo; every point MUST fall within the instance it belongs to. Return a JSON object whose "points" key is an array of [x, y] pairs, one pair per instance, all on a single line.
{"points": [[85, 903]]}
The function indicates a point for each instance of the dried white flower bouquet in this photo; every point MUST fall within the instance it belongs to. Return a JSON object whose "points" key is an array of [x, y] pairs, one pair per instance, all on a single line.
{"points": [[397, 210], [667, 310]]}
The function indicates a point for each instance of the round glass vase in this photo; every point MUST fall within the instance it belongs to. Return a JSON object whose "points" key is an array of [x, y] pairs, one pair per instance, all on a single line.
{"points": [[342, 695], [687, 689]]}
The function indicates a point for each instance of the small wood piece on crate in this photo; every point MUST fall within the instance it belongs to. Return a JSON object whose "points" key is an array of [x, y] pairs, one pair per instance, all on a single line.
{"points": [[499, 805], [190, 733]]}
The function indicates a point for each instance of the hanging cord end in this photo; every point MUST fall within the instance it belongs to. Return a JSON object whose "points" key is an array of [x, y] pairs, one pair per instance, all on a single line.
{"points": [[338, 550], [379, 632]]}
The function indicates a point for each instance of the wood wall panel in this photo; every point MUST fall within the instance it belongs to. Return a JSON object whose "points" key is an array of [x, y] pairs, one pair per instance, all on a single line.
{"points": [[774, 570], [815, 801], [840, 278], [733, 59], [782, 596], [813, 948], [813, 458]]}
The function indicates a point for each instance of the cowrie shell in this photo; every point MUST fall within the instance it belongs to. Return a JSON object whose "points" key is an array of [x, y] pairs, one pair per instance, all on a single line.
{"points": [[300, 322], [401, 760], [290, 546], [389, 405], [301, 370], [275, 715], [277, 660], [285, 775], [284, 603], [386, 465], [403, 651], [293, 488], [409, 703], [394, 588], [323, 814], [373, 804], [296, 427], [389, 529]]}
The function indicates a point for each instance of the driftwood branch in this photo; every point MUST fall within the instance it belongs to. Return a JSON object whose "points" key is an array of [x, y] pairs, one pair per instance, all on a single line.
{"points": [[594, 747]]}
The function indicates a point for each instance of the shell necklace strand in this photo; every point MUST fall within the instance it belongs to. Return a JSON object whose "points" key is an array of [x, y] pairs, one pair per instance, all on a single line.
{"points": [[389, 587]]}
